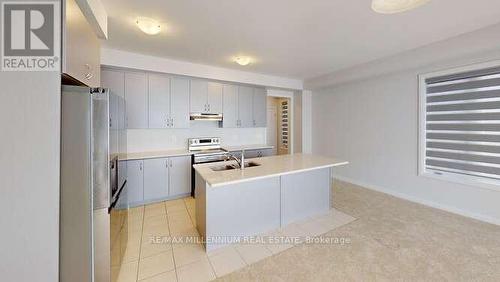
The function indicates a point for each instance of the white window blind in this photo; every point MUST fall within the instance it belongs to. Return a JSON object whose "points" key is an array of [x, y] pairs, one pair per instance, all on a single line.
{"points": [[460, 124]]}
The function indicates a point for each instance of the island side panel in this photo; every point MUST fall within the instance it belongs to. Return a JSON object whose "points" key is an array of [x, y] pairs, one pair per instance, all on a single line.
{"points": [[304, 194], [201, 204], [242, 209]]}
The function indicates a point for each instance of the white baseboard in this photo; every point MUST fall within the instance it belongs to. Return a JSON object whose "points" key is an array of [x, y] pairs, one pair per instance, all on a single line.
{"points": [[432, 204]]}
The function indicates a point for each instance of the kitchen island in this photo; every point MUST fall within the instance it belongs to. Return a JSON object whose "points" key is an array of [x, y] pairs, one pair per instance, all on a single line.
{"points": [[271, 193]]}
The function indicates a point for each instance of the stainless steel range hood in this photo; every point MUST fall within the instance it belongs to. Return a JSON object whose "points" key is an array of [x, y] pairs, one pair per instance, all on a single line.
{"points": [[205, 116]]}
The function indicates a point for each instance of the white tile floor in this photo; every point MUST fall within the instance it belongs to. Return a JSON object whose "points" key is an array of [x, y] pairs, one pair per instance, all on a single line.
{"points": [[149, 246]]}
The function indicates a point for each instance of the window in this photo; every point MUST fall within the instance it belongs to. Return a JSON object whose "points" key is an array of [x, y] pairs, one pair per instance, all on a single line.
{"points": [[460, 125]]}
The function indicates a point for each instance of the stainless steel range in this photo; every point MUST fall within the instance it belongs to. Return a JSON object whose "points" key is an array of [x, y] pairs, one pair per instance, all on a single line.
{"points": [[205, 150]]}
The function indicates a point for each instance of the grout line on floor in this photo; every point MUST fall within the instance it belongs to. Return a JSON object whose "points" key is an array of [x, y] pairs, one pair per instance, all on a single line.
{"points": [[140, 245], [171, 245]]}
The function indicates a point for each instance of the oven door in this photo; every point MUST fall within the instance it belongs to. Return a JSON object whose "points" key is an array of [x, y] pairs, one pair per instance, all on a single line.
{"points": [[113, 181], [203, 159]]}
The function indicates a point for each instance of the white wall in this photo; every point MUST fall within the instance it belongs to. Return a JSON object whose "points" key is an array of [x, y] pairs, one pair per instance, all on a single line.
{"points": [[144, 140], [29, 176], [372, 122], [117, 58]]}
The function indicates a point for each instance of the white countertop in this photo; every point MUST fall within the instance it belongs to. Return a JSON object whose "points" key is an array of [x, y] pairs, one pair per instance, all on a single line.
{"points": [[185, 152], [269, 167], [157, 154], [247, 147]]}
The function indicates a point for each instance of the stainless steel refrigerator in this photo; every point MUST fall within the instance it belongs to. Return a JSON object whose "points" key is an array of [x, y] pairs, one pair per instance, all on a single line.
{"points": [[93, 177]]}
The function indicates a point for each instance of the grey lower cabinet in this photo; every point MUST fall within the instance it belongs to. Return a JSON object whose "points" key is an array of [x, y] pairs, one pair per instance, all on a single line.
{"points": [[250, 154], [180, 175], [258, 153], [158, 179], [135, 182], [155, 179]]}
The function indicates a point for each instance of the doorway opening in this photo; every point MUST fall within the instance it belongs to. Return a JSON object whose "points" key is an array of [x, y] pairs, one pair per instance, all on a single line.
{"points": [[279, 129]]}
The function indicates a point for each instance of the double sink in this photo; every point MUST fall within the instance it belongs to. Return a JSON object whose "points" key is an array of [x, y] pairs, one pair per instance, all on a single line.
{"points": [[233, 166]]}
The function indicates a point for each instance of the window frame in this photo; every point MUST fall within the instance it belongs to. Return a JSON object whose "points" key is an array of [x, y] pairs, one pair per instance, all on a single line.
{"points": [[469, 180]]}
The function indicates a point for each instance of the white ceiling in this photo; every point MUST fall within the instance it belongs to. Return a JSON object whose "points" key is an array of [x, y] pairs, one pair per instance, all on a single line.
{"points": [[291, 38]]}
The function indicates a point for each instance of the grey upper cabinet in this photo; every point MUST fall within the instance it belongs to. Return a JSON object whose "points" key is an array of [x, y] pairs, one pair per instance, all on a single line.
{"points": [[214, 98], [168, 101], [230, 105], [179, 102], [81, 48], [259, 107], [113, 111], [114, 80], [135, 182], [159, 101], [136, 100], [245, 106], [205, 96], [155, 179], [198, 96], [180, 175]]}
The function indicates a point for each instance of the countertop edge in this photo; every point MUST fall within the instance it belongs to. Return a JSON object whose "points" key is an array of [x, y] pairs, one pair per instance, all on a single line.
{"points": [[156, 156], [249, 147], [216, 185], [166, 153]]}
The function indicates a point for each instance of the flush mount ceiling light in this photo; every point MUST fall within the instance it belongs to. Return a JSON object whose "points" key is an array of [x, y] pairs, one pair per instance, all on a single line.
{"points": [[243, 60], [148, 26], [396, 6]]}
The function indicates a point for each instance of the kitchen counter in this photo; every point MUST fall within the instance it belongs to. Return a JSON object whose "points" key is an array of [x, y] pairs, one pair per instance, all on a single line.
{"points": [[268, 167], [156, 154], [282, 190], [247, 147], [184, 152]]}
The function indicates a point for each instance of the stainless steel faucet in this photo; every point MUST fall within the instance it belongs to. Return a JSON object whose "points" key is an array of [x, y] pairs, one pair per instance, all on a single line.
{"points": [[240, 162]]}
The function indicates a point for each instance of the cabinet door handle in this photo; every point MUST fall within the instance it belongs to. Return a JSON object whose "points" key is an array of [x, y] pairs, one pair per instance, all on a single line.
{"points": [[89, 74], [140, 166], [172, 122]]}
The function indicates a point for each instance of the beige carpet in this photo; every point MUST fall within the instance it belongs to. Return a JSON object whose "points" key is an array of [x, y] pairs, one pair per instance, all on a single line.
{"points": [[392, 239]]}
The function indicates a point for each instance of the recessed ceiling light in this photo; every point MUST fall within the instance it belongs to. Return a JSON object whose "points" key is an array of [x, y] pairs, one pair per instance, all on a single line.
{"points": [[396, 6], [243, 60], [148, 26]]}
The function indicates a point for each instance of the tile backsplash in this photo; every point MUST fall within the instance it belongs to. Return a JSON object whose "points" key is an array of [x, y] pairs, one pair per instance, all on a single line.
{"points": [[144, 140]]}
